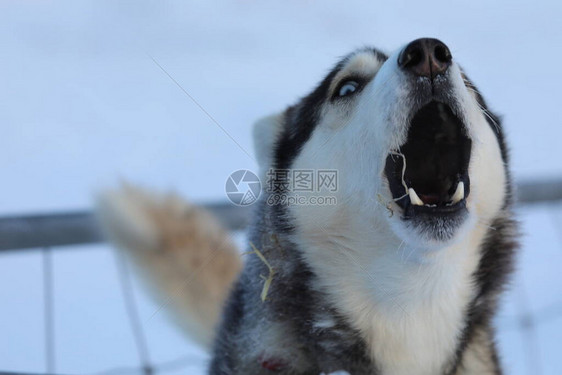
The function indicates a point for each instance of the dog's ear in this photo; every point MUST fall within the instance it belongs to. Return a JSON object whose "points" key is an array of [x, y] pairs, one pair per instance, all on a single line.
{"points": [[266, 133]]}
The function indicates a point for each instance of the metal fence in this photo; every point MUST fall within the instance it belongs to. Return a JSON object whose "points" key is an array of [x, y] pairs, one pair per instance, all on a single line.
{"points": [[47, 232]]}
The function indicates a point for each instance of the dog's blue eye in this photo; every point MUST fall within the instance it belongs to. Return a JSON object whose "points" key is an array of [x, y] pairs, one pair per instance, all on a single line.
{"points": [[348, 88]]}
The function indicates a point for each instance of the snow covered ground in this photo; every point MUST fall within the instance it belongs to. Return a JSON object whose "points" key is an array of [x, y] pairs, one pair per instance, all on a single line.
{"points": [[82, 105]]}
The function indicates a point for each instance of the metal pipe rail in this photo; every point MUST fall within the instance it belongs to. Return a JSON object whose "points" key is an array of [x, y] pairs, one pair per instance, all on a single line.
{"points": [[81, 227]]}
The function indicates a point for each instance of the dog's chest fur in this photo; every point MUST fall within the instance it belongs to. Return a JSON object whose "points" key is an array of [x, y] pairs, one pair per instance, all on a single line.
{"points": [[409, 308]]}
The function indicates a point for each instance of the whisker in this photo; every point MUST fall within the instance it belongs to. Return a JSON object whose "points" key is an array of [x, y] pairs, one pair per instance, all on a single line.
{"points": [[484, 110], [403, 171]]}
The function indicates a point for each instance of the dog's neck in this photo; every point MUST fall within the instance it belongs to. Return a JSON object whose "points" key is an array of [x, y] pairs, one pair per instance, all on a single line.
{"points": [[409, 304]]}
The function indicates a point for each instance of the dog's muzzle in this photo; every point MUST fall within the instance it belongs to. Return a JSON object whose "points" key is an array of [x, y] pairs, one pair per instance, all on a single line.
{"points": [[428, 174]]}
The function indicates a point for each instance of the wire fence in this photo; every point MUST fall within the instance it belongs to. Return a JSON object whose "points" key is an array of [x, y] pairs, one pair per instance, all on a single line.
{"points": [[48, 231], [147, 367]]}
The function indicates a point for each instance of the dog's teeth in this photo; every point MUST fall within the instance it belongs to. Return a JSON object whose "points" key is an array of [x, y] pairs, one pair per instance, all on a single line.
{"points": [[414, 197], [459, 193]]}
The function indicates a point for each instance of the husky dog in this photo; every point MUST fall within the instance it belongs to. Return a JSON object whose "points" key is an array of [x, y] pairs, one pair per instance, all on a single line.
{"points": [[401, 276]]}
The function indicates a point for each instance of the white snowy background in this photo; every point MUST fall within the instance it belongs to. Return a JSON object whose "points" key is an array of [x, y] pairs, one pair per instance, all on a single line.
{"points": [[82, 106]]}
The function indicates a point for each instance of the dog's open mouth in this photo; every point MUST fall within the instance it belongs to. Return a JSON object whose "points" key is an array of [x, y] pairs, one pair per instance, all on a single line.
{"points": [[429, 173]]}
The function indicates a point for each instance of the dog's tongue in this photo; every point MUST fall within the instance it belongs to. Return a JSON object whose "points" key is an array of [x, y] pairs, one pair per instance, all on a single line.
{"points": [[429, 198], [272, 364]]}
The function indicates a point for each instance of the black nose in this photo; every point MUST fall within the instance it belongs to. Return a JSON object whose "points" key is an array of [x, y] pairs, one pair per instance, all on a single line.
{"points": [[425, 57]]}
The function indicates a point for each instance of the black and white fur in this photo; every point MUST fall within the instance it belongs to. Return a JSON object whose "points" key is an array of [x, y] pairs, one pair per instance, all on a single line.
{"points": [[372, 285], [357, 287]]}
